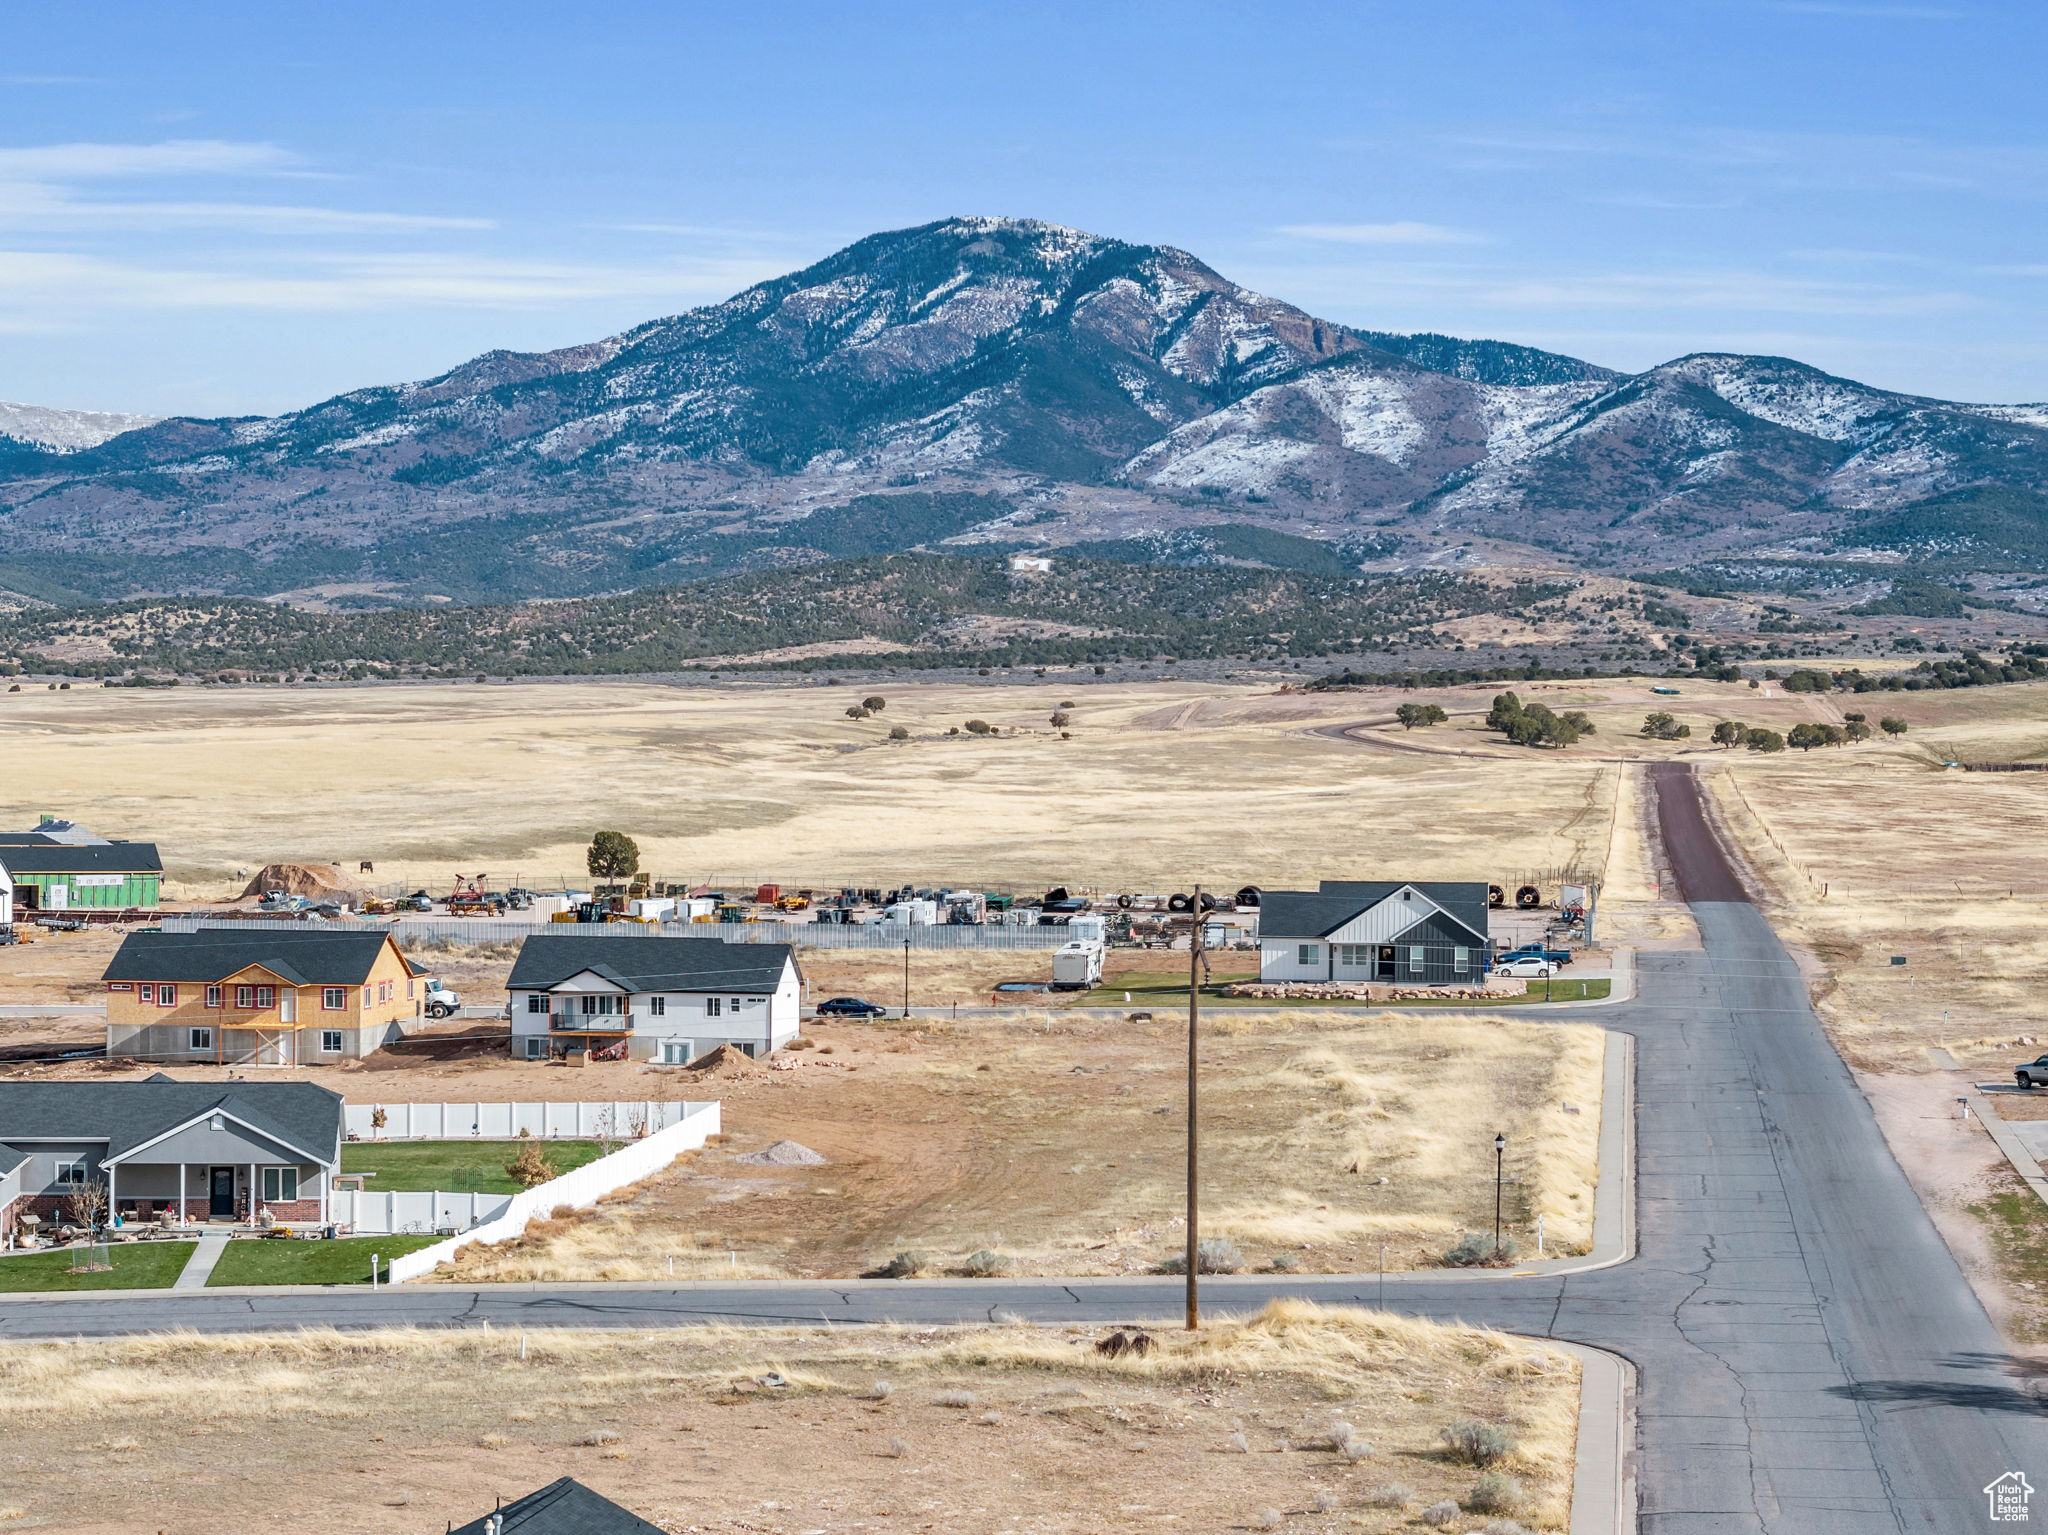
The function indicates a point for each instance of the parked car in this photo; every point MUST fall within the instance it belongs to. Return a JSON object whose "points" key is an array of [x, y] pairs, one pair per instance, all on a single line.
{"points": [[1537, 951], [850, 1007], [1525, 965], [2033, 1073]]}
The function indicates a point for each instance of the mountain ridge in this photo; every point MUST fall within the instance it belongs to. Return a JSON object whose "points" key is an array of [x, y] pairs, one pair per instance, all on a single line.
{"points": [[1089, 390]]}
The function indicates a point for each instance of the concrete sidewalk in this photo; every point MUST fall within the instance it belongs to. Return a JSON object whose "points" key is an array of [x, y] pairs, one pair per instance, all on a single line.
{"points": [[199, 1267]]}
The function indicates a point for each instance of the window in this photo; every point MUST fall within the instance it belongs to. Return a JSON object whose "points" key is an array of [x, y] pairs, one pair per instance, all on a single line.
{"points": [[72, 1172], [280, 1184], [756, 1001], [537, 1002], [1308, 954], [735, 1004], [199, 1039], [167, 996], [1461, 960], [1355, 956], [266, 996], [658, 1006], [147, 992], [1415, 960], [604, 1006], [713, 1006], [213, 996], [408, 990], [333, 998], [330, 1041], [536, 1048], [369, 996], [678, 1052], [122, 986], [245, 997]]}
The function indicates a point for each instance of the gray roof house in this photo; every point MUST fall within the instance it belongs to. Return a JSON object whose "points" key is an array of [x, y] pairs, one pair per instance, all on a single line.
{"points": [[1414, 932], [564, 1507], [647, 998], [199, 1150]]}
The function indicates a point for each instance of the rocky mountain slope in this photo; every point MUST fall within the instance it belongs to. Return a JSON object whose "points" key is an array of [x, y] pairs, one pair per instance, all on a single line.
{"points": [[1034, 384], [37, 429]]}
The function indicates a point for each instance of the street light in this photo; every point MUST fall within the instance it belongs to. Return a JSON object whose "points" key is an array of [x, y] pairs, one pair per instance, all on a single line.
{"points": [[1500, 1148], [1194, 1254]]}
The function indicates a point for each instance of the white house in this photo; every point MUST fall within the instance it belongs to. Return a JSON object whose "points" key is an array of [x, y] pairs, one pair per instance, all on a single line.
{"points": [[651, 999], [1417, 933]]}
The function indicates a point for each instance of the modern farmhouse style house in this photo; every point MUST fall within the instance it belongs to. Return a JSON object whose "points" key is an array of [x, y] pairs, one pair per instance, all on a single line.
{"points": [[1420, 934], [202, 1151], [651, 999], [260, 994]]}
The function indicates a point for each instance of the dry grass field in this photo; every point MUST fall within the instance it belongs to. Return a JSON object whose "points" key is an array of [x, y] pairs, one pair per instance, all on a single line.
{"points": [[1877, 851], [1161, 784], [1005, 1429], [1057, 1141]]}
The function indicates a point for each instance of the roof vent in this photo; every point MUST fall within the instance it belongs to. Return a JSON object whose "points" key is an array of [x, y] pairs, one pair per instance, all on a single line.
{"points": [[219, 1123]]}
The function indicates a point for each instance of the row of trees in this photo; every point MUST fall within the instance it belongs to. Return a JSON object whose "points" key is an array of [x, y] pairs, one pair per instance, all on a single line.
{"points": [[1536, 724], [1804, 736]]}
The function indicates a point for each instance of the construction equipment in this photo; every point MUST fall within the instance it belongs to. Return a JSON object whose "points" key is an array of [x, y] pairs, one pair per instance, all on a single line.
{"points": [[470, 899], [797, 902]]}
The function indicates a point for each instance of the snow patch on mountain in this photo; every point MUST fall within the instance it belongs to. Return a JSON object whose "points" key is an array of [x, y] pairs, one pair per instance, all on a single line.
{"points": [[66, 431]]}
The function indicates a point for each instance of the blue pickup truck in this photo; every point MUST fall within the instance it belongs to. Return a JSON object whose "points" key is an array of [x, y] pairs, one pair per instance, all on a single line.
{"points": [[1535, 951]]}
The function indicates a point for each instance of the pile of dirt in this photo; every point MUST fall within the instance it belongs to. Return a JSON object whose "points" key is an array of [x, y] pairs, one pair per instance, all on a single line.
{"points": [[783, 1154], [727, 1061], [318, 880]]}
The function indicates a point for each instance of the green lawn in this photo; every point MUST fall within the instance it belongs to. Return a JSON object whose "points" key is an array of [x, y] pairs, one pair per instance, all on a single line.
{"points": [[1171, 991], [137, 1266], [461, 1167], [273, 1260]]}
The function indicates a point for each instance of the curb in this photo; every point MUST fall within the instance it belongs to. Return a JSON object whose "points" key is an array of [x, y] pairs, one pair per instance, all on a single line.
{"points": [[1604, 1462]]}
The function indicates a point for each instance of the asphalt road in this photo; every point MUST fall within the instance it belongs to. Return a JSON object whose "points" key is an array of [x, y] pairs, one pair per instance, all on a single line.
{"points": [[1812, 1361]]}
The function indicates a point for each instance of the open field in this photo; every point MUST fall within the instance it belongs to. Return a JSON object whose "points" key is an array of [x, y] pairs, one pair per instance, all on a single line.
{"points": [[380, 1431], [1058, 1143], [1161, 784], [1876, 851]]}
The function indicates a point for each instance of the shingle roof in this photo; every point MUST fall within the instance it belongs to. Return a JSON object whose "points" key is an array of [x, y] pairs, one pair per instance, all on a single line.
{"points": [[1317, 913], [304, 957], [47, 857], [650, 964], [303, 1115], [565, 1507]]}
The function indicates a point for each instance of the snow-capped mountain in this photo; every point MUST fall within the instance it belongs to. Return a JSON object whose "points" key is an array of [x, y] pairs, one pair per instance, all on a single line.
{"points": [[1033, 383], [38, 429]]}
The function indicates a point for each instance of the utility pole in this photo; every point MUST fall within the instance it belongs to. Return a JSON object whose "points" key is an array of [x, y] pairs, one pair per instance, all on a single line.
{"points": [[1194, 1115], [1500, 1147], [906, 978]]}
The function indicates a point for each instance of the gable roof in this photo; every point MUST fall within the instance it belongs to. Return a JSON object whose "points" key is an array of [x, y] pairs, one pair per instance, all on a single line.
{"points": [[1320, 912], [565, 1507], [300, 956], [44, 856], [128, 1115], [649, 964]]}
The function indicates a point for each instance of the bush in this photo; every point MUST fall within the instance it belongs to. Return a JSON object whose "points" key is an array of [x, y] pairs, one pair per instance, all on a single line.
{"points": [[1213, 1255], [1286, 1263], [1390, 1495], [1440, 1514], [1497, 1493], [898, 733], [1475, 1249], [874, 703], [980, 728], [531, 1167], [1480, 1444], [856, 712], [985, 1264], [1505, 1527], [1061, 719], [907, 1264], [953, 1399], [1892, 726]]}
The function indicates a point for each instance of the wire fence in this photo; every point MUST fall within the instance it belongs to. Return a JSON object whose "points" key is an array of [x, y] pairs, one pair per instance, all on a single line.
{"points": [[411, 932]]}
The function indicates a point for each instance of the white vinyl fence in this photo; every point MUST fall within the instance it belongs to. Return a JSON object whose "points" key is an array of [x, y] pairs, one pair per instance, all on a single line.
{"points": [[624, 1118], [366, 1212], [577, 1189]]}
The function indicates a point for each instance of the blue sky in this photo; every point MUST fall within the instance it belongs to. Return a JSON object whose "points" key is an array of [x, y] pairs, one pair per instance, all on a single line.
{"points": [[243, 208]]}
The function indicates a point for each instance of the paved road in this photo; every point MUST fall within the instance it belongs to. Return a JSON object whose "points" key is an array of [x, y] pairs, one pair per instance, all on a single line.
{"points": [[1812, 1361]]}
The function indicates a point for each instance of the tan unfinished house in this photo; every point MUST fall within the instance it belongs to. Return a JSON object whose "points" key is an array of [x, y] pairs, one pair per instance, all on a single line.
{"points": [[259, 995]]}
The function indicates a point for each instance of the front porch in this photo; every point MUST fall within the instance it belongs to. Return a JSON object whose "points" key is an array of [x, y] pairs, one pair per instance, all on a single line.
{"points": [[236, 1195]]}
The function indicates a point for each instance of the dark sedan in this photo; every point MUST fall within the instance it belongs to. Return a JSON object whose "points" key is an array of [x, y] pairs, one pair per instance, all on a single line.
{"points": [[850, 1007]]}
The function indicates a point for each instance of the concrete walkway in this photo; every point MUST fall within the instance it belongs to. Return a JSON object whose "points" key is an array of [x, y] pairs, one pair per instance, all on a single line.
{"points": [[199, 1267]]}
